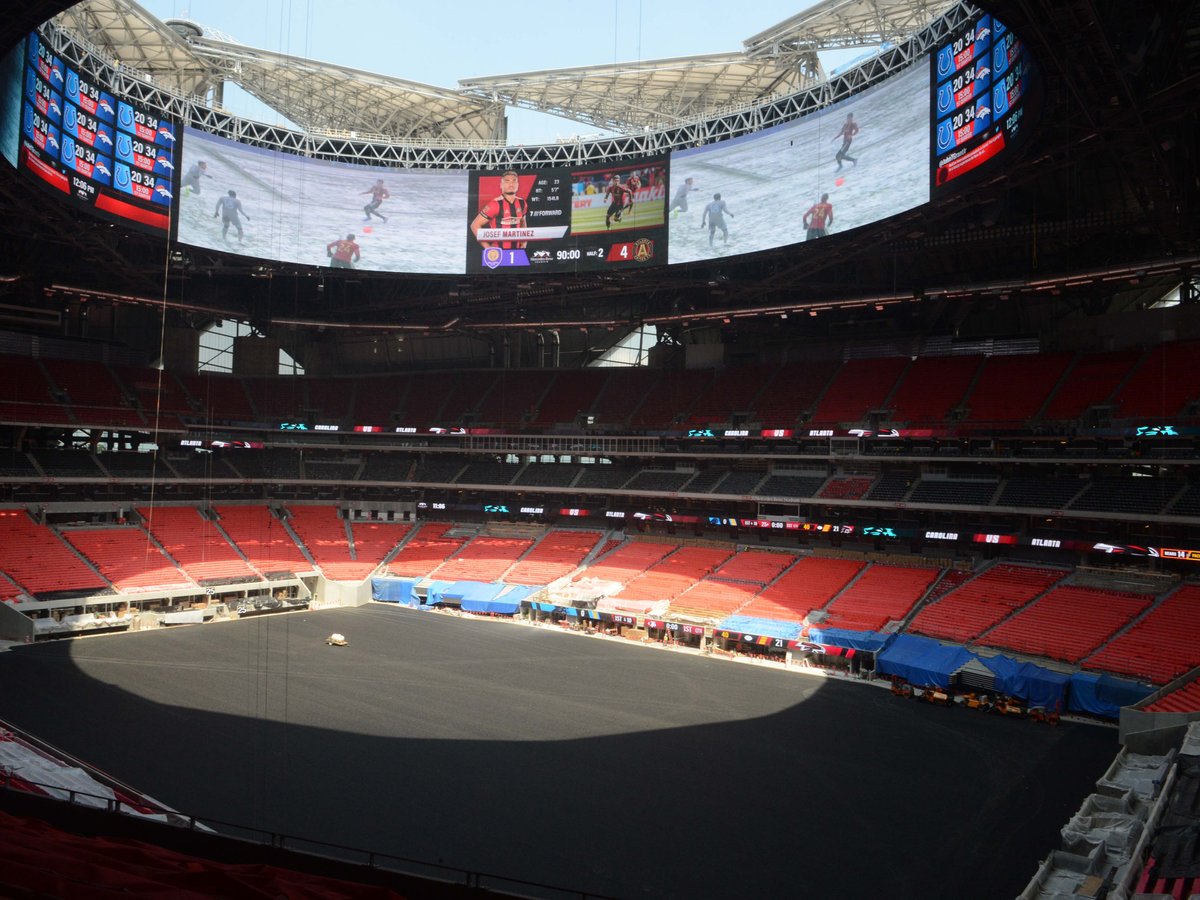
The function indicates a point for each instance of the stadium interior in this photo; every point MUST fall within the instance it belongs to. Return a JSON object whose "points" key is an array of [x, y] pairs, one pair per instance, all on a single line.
{"points": [[953, 451]]}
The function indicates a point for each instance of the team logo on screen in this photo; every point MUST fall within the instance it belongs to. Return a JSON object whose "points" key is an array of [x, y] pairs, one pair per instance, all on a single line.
{"points": [[643, 249], [492, 257]]}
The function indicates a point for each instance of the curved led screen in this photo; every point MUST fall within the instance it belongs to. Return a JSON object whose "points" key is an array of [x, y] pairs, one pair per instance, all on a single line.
{"points": [[881, 150], [856, 162], [288, 208]]}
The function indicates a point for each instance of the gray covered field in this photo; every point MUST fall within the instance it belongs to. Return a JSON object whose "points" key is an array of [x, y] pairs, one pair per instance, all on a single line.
{"points": [[591, 763]]}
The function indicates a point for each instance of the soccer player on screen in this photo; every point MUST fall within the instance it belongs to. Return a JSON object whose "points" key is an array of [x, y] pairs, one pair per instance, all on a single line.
{"points": [[378, 194], [681, 196], [506, 211], [619, 199], [229, 208], [818, 218], [191, 180], [634, 184], [343, 254], [714, 218], [849, 130]]}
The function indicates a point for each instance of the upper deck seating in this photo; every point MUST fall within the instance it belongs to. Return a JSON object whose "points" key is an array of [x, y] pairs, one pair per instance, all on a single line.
{"points": [[570, 396], [932, 387], [623, 389], [666, 405], [732, 391], [793, 392], [860, 385], [1166, 381], [1091, 381], [1012, 389], [513, 399]]}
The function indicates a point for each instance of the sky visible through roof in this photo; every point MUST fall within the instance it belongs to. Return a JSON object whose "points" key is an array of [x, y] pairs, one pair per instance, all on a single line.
{"points": [[438, 44]]}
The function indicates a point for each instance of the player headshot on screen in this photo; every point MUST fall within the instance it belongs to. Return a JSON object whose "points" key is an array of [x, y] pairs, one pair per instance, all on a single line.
{"points": [[344, 253], [818, 219], [505, 211]]}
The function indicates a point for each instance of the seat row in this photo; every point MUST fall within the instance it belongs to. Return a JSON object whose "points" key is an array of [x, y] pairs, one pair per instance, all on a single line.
{"points": [[978, 390]]}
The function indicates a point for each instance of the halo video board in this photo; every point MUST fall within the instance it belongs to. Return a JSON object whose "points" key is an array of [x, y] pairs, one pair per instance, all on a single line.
{"points": [[880, 150], [78, 138]]}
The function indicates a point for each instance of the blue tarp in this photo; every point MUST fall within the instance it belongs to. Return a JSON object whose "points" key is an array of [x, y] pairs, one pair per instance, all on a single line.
{"points": [[472, 596], [920, 660], [1038, 685], [788, 631], [870, 641], [435, 590], [1103, 695], [394, 590], [520, 591]]}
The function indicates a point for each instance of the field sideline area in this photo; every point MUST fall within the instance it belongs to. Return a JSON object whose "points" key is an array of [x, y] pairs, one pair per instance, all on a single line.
{"points": [[590, 763]]}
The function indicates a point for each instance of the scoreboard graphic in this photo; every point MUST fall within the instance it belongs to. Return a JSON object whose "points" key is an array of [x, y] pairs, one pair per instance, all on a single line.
{"points": [[567, 220], [79, 139], [981, 78]]}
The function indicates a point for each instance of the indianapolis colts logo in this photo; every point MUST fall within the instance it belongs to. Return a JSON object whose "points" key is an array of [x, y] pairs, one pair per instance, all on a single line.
{"points": [[945, 62], [945, 100], [945, 136], [1000, 99]]}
